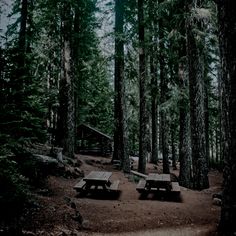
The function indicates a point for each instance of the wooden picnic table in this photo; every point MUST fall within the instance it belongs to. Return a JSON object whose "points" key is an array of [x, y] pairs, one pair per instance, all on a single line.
{"points": [[97, 180], [158, 183]]}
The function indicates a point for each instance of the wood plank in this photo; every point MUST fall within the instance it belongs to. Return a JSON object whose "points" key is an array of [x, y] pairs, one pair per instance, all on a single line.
{"points": [[114, 186], [154, 177], [116, 161], [80, 185], [141, 185], [166, 177], [98, 176], [175, 187]]}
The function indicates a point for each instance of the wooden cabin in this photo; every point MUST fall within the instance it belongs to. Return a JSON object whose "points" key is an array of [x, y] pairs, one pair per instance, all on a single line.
{"points": [[93, 142]]}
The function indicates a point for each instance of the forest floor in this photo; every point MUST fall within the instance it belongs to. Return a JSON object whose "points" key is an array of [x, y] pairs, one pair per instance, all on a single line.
{"points": [[193, 214]]}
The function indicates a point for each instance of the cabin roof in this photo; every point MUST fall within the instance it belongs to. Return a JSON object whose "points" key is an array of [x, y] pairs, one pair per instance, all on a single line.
{"points": [[97, 132]]}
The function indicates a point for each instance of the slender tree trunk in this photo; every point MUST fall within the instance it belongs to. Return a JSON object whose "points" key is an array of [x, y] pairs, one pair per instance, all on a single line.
{"points": [[227, 23], [143, 114], [212, 147], [66, 129], [173, 148], [2, 63], [206, 114], [184, 116], [220, 97], [184, 131], [19, 76], [22, 34], [75, 56], [120, 145], [154, 86], [196, 92], [163, 87], [3, 90], [216, 145]]}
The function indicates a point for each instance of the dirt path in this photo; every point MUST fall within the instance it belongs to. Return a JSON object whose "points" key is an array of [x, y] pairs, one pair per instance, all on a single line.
{"points": [[177, 231], [193, 215]]}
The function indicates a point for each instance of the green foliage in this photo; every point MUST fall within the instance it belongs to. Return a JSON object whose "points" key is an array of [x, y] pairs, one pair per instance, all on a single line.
{"points": [[21, 116], [21, 109], [34, 168], [93, 93], [95, 97], [93, 89], [14, 192]]}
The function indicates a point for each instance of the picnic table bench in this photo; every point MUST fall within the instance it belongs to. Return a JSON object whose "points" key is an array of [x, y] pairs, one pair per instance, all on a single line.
{"points": [[158, 183], [97, 180]]}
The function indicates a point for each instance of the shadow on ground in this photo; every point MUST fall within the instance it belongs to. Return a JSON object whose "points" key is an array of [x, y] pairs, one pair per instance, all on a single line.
{"points": [[100, 195], [161, 196]]}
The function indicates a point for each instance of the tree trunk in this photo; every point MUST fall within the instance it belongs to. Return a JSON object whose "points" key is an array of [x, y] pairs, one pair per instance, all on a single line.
{"points": [[120, 145], [2, 64], [173, 148], [75, 55], [206, 114], [220, 97], [164, 89], [22, 34], [196, 91], [184, 131], [212, 160], [227, 23], [143, 113], [66, 129], [154, 86], [19, 76], [216, 145]]}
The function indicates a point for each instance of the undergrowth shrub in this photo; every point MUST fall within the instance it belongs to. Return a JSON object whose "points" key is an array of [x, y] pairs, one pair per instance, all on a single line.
{"points": [[14, 193]]}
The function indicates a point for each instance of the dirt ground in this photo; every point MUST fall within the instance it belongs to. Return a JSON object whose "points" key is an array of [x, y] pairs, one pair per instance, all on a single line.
{"points": [[127, 214]]}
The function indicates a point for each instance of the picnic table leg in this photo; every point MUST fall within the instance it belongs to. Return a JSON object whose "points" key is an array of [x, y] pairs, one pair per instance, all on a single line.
{"points": [[87, 188], [144, 194], [104, 187], [168, 188], [148, 186]]}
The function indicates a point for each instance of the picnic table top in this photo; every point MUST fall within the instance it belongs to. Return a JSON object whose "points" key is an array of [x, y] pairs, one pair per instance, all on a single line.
{"points": [[98, 176], [158, 177]]}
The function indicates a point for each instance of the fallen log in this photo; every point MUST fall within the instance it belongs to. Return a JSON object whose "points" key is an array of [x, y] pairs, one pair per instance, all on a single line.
{"points": [[138, 174]]}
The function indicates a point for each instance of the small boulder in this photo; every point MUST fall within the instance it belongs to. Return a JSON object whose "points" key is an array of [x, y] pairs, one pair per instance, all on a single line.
{"points": [[217, 195], [86, 224], [216, 201]]}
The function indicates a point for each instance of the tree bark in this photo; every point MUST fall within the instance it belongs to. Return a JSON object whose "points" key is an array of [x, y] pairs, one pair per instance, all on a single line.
{"points": [[220, 97], [22, 34], [163, 96], [76, 55], [173, 148], [196, 94], [217, 146], [66, 120], [143, 113], [154, 85], [184, 131], [206, 114], [19, 76], [120, 144], [227, 29]]}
